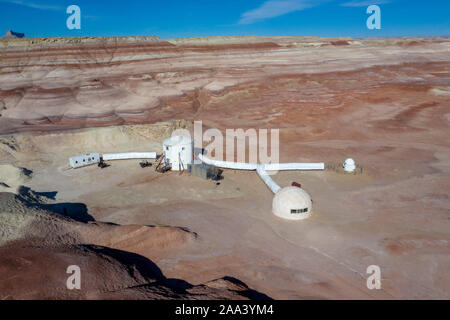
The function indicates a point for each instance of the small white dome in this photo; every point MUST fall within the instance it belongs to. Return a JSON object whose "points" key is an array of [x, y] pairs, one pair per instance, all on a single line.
{"points": [[292, 203], [349, 165]]}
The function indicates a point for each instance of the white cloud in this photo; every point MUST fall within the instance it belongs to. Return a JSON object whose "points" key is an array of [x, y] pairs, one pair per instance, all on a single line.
{"points": [[275, 8], [364, 3], [33, 5]]}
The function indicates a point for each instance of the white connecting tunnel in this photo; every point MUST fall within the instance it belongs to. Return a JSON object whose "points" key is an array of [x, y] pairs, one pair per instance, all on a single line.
{"points": [[261, 168], [294, 166], [228, 164], [129, 155], [267, 179]]}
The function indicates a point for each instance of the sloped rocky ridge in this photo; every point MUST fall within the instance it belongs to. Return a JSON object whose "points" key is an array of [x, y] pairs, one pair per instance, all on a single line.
{"points": [[37, 244]]}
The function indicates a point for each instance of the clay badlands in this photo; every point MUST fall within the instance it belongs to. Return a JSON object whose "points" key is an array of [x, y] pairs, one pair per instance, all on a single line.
{"points": [[139, 234]]}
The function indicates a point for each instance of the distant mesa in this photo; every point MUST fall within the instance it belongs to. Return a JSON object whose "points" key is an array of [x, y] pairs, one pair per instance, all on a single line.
{"points": [[13, 35]]}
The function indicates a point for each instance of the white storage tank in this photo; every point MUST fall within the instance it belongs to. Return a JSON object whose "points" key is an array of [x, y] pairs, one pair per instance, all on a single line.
{"points": [[178, 152]]}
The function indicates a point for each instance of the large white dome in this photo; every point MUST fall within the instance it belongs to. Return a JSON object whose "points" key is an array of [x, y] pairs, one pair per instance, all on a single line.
{"points": [[292, 203]]}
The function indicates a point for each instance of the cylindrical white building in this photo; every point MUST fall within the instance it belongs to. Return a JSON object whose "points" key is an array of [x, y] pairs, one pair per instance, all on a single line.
{"points": [[292, 203], [178, 152]]}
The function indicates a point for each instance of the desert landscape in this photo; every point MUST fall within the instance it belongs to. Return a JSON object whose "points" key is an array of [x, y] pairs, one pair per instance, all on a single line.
{"points": [[140, 234]]}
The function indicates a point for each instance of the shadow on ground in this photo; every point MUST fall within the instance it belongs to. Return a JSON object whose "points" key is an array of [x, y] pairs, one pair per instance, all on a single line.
{"points": [[134, 263], [150, 270], [75, 211]]}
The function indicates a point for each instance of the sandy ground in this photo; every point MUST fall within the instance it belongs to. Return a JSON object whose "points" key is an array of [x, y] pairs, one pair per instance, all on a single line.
{"points": [[390, 113], [392, 216]]}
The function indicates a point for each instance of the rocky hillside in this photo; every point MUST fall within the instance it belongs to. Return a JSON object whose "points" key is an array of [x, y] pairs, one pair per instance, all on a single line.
{"points": [[13, 35], [61, 83], [35, 234]]}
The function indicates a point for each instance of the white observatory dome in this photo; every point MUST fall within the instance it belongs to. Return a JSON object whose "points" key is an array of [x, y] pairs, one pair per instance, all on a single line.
{"points": [[349, 165], [292, 203]]}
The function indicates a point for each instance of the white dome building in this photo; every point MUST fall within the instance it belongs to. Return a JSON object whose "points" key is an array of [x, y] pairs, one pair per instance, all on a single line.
{"points": [[178, 152], [292, 203], [349, 165]]}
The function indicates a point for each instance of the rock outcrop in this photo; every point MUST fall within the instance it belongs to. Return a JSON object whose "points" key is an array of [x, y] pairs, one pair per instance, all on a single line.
{"points": [[13, 35], [35, 234]]}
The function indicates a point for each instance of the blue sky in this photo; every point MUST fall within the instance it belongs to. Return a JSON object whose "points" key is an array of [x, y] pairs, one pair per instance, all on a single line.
{"points": [[195, 18]]}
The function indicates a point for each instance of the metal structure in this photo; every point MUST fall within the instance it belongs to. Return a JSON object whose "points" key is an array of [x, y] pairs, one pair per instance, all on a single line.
{"points": [[205, 171]]}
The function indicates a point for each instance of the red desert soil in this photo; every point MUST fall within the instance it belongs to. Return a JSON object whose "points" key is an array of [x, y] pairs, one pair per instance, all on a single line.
{"points": [[35, 236], [383, 102]]}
